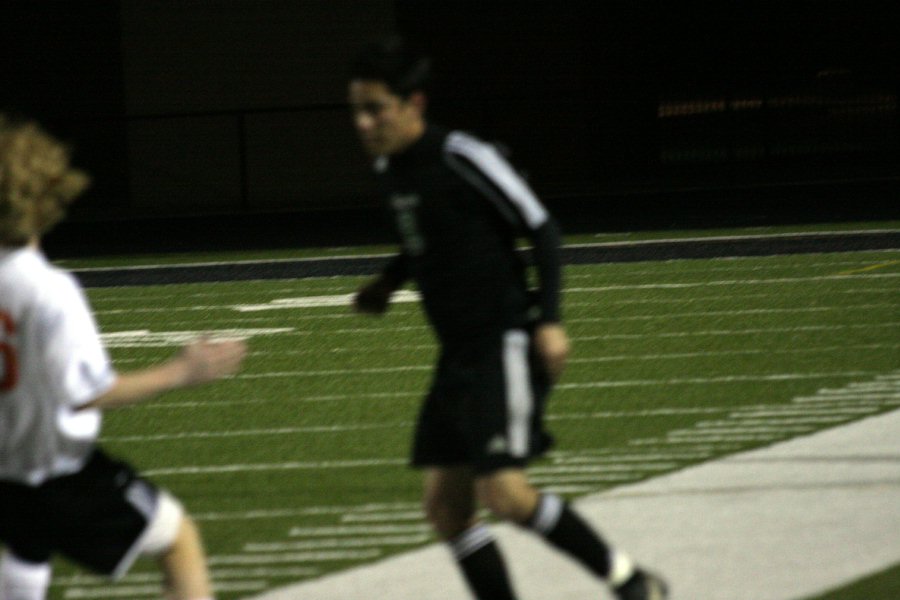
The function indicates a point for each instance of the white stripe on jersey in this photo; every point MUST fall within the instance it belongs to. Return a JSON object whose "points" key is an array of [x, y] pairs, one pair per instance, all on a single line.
{"points": [[498, 171], [519, 399]]}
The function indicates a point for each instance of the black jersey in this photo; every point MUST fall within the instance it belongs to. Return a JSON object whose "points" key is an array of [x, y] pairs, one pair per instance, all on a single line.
{"points": [[459, 208]]}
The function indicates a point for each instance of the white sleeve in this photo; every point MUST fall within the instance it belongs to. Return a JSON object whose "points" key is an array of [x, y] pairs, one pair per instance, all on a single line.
{"points": [[78, 366]]}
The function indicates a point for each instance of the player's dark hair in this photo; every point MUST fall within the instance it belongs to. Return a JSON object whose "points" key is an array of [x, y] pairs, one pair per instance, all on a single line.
{"points": [[395, 62]]}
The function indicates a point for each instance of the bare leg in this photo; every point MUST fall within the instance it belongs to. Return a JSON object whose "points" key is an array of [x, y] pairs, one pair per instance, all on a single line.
{"points": [[184, 565], [451, 509]]}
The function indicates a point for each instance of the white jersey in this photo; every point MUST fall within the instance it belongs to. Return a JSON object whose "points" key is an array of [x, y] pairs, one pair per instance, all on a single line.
{"points": [[51, 362]]}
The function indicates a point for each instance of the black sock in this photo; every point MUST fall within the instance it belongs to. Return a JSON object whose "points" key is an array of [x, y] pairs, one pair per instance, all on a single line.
{"points": [[562, 527], [481, 564]]}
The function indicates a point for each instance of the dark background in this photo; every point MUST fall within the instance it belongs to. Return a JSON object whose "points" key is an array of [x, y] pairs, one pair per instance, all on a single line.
{"points": [[222, 123]]}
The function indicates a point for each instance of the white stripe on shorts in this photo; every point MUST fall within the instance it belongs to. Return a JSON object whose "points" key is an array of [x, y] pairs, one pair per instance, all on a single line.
{"points": [[519, 399]]}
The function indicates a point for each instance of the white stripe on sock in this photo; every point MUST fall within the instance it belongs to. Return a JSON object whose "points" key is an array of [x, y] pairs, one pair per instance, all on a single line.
{"points": [[470, 541], [547, 515]]}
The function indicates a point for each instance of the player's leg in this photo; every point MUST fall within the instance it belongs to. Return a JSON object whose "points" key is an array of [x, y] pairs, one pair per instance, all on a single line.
{"points": [[509, 496], [183, 564], [509, 433], [25, 551], [450, 508], [106, 516], [22, 579]]}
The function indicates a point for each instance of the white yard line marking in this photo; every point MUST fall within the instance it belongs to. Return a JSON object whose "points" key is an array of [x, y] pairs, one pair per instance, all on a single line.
{"points": [[579, 416], [153, 591], [214, 404], [727, 282], [725, 265], [721, 313], [358, 530], [732, 332], [193, 435], [338, 543], [331, 372], [305, 511], [400, 296], [741, 352], [594, 359], [711, 380], [284, 466], [144, 338], [293, 557]]}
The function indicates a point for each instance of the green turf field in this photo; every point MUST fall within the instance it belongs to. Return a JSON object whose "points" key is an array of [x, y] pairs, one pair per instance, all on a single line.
{"points": [[297, 467]]}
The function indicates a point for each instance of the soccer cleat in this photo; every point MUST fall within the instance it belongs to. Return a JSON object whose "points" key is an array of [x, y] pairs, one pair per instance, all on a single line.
{"points": [[642, 586]]}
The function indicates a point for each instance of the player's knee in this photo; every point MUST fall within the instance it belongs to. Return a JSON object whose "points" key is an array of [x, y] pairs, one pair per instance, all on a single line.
{"points": [[507, 502], [167, 526], [446, 516]]}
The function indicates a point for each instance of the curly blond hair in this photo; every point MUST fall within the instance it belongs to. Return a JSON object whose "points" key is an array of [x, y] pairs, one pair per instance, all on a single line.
{"points": [[37, 182]]}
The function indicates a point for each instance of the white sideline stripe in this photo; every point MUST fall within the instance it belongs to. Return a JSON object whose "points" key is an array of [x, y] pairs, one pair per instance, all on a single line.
{"points": [[339, 543], [622, 243], [710, 529], [294, 557]]}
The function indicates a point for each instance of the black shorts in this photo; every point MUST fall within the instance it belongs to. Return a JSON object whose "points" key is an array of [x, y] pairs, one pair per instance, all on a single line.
{"points": [[94, 517], [485, 407]]}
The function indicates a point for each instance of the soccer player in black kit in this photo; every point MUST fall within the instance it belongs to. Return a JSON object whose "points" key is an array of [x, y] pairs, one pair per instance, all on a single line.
{"points": [[459, 208]]}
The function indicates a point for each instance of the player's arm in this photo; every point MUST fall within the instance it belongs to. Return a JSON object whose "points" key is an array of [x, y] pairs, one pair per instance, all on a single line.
{"points": [[550, 337], [495, 179], [373, 297], [198, 362]]}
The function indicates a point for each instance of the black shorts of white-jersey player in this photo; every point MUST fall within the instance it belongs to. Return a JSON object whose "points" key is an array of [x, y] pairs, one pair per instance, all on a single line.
{"points": [[459, 208]]}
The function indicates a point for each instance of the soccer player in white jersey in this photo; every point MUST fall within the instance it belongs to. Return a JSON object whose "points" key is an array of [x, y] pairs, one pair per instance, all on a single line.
{"points": [[59, 492]]}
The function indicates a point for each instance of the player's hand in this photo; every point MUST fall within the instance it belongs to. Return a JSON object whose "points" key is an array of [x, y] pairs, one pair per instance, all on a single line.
{"points": [[205, 360], [373, 298], [552, 345]]}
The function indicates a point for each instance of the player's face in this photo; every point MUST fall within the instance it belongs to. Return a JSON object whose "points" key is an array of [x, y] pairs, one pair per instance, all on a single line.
{"points": [[386, 123]]}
